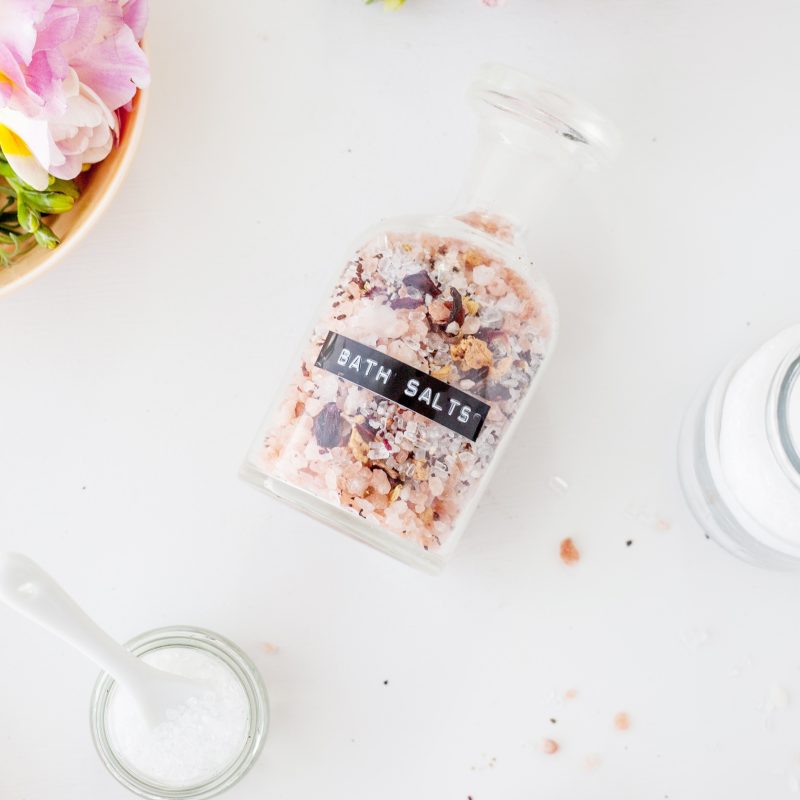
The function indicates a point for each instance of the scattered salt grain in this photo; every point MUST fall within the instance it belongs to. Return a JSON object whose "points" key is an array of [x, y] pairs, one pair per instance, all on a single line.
{"points": [[592, 762], [558, 484], [777, 698], [483, 276], [694, 638], [568, 552], [198, 740], [550, 746], [622, 721]]}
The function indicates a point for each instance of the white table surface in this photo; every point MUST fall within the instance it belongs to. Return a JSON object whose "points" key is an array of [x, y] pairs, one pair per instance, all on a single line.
{"points": [[135, 373]]}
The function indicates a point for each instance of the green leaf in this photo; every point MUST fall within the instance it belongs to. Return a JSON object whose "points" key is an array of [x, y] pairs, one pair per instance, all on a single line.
{"points": [[48, 202], [68, 188], [22, 208], [45, 237], [28, 218]]}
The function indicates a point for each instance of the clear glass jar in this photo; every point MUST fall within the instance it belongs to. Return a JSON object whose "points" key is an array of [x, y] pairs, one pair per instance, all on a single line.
{"points": [[239, 664], [739, 455], [427, 350]]}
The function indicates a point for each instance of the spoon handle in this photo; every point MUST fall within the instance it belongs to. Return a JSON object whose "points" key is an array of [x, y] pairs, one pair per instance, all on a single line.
{"points": [[28, 589]]}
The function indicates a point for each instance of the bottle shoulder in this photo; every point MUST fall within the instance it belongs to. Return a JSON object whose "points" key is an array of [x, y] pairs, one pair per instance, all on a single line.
{"points": [[492, 239], [455, 252]]}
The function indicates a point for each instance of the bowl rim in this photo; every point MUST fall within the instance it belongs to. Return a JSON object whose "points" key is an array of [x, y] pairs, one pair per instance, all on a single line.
{"points": [[128, 147]]}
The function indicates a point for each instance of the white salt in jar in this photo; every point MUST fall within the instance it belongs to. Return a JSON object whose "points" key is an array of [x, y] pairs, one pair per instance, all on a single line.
{"points": [[740, 455], [201, 749]]}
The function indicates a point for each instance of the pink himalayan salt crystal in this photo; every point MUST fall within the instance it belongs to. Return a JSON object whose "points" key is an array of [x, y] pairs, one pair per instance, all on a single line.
{"points": [[498, 287], [568, 552], [483, 276], [622, 721], [550, 747], [436, 486], [592, 762], [380, 482], [439, 311]]}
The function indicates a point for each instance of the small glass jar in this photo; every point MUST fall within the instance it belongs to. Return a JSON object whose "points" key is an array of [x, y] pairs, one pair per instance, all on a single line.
{"points": [[241, 667], [431, 342], [739, 455]]}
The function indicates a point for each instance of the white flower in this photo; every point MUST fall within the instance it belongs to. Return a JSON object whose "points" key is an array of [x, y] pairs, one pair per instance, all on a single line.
{"points": [[59, 145]]}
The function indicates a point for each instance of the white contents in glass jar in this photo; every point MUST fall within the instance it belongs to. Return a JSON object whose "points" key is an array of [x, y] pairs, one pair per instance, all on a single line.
{"points": [[197, 741], [755, 476]]}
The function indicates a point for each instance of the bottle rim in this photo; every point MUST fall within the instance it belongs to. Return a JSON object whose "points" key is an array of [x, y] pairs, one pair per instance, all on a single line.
{"points": [[532, 104]]}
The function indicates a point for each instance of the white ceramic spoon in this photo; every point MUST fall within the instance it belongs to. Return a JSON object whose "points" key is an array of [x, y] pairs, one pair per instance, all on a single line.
{"points": [[27, 588]]}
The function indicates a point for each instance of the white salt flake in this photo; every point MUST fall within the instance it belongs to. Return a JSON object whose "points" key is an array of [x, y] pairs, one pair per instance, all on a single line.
{"points": [[694, 638], [483, 276], [777, 698], [558, 484]]}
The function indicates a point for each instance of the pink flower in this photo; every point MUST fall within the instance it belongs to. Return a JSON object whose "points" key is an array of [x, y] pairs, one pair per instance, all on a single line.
{"points": [[67, 65]]}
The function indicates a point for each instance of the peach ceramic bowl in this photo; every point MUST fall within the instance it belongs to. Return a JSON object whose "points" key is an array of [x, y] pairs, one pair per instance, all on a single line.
{"points": [[103, 181]]}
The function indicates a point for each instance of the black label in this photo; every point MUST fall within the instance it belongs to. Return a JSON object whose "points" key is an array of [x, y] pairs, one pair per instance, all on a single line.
{"points": [[403, 384]]}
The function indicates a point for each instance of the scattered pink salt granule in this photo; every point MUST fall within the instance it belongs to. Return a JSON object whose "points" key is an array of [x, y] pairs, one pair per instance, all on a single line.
{"points": [[568, 552], [550, 747], [622, 721], [450, 310], [592, 762]]}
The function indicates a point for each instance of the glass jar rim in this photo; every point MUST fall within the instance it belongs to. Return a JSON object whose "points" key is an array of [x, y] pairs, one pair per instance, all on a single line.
{"points": [[245, 671], [779, 427]]}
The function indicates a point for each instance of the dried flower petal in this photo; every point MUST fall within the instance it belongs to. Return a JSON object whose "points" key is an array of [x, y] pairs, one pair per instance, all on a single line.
{"points": [[496, 391], [406, 302], [422, 281], [366, 433], [328, 426], [472, 353], [457, 309]]}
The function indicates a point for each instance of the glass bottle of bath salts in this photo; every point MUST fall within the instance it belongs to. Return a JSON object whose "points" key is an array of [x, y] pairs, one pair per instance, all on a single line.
{"points": [[430, 344]]}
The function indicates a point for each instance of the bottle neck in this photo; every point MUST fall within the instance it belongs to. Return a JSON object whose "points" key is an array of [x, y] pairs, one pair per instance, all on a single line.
{"points": [[529, 134], [510, 185]]}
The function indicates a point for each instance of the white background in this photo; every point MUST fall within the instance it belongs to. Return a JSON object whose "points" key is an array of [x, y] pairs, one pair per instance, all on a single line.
{"points": [[133, 376]]}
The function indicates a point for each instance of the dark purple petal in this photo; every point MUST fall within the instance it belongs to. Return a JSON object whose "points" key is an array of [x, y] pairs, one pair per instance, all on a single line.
{"points": [[365, 432], [488, 335], [457, 308], [477, 375], [407, 302], [423, 282], [328, 426], [496, 391]]}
